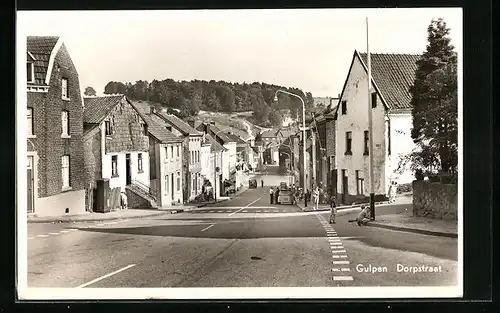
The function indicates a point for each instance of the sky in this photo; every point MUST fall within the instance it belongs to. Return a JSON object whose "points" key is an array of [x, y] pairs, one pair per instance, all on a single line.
{"points": [[310, 49]]}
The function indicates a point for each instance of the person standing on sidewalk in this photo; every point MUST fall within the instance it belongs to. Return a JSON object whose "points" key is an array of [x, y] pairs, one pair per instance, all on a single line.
{"points": [[271, 194], [316, 197], [262, 183]]}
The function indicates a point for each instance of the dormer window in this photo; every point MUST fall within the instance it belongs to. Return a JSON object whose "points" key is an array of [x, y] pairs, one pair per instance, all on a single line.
{"points": [[30, 72]]}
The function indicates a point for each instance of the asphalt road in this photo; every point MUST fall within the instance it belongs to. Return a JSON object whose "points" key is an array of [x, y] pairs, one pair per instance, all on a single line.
{"points": [[242, 242]]}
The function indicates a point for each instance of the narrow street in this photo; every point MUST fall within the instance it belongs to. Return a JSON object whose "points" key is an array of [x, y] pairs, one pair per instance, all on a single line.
{"points": [[242, 242]]}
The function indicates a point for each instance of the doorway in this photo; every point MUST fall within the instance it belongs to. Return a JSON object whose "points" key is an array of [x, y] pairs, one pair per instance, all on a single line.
{"points": [[345, 186], [128, 174], [31, 185], [172, 184]]}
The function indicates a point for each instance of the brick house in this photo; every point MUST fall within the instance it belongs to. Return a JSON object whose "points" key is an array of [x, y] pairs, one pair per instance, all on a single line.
{"points": [[116, 142], [56, 177], [392, 75], [165, 170], [191, 151]]}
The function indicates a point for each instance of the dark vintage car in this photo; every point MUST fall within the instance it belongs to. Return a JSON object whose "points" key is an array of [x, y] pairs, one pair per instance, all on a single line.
{"points": [[252, 183], [286, 194]]}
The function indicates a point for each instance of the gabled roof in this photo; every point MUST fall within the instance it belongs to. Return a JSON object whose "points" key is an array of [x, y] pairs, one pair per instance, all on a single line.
{"points": [[221, 134], [236, 139], [97, 108], [160, 133], [43, 50], [178, 124], [393, 74], [214, 145]]}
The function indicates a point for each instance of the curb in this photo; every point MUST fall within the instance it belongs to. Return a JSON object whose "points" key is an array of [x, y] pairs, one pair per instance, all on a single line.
{"points": [[414, 230], [96, 219]]}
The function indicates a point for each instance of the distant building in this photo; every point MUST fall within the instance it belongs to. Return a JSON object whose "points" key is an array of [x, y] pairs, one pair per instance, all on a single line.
{"points": [[56, 175]]}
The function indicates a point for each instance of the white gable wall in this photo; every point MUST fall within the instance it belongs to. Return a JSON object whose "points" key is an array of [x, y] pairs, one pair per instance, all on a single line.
{"points": [[401, 145], [356, 121]]}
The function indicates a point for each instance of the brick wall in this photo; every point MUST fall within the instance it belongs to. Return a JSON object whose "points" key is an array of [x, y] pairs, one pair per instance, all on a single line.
{"points": [[128, 132], [330, 138], [435, 200], [47, 116]]}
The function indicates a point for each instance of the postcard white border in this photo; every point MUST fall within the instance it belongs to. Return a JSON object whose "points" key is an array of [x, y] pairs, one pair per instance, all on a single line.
{"points": [[26, 293]]}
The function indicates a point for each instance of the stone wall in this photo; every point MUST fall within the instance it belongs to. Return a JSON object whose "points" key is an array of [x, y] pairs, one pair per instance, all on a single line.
{"points": [[435, 200]]}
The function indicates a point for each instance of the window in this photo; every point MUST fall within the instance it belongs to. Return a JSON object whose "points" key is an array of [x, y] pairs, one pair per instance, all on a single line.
{"points": [[166, 183], [192, 157], [30, 121], [29, 72], [169, 128], [65, 123], [366, 138], [107, 125], [178, 181], [139, 163], [65, 171], [374, 99], [114, 166], [177, 150], [348, 142], [360, 186], [144, 129], [344, 107], [64, 88], [172, 152]]}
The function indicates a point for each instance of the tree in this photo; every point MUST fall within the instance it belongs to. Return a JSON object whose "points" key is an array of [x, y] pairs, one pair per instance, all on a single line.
{"points": [[434, 102], [115, 88], [89, 91], [275, 119]]}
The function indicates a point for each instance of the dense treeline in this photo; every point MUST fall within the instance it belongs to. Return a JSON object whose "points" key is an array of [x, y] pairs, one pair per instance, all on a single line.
{"points": [[192, 96]]}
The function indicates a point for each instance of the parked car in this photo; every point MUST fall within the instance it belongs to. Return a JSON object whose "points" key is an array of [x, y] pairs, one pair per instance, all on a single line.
{"points": [[252, 183]]}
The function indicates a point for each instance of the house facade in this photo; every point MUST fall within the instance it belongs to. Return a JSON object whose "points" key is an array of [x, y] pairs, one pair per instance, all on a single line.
{"points": [[165, 170], [55, 165], [191, 151], [271, 148], [212, 155], [392, 75], [116, 142]]}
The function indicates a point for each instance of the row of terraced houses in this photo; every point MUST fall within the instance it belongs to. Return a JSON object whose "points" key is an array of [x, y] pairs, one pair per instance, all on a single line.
{"points": [[337, 139], [76, 145]]}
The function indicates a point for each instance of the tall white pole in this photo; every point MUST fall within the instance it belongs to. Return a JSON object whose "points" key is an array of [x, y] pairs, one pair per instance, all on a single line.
{"points": [[370, 125], [304, 141]]}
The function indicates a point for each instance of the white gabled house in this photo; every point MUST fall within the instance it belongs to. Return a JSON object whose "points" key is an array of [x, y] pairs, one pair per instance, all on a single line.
{"points": [[166, 156], [392, 76]]}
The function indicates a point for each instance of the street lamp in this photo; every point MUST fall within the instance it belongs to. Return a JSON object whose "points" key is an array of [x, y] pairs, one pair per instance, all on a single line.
{"points": [[304, 127]]}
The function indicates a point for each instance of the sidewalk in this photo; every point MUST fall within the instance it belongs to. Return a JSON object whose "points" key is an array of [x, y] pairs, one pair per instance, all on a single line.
{"points": [[326, 207], [407, 222], [97, 217]]}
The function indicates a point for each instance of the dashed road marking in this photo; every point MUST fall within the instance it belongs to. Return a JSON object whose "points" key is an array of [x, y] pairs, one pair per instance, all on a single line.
{"points": [[343, 278], [64, 231], [53, 234], [338, 251], [340, 262], [42, 236], [206, 228]]}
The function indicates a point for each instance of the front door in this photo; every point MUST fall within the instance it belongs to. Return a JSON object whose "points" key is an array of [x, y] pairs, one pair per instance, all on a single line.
{"points": [[345, 186], [128, 173], [172, 184], [30, 185]]}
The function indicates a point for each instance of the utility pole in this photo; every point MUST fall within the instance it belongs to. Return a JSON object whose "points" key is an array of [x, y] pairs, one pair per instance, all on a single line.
{"points": [[370, 126], [313, 161], [215, 176]]}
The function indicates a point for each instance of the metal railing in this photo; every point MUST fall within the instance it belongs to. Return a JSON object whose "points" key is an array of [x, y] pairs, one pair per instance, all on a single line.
{"points": [[151, 192]]}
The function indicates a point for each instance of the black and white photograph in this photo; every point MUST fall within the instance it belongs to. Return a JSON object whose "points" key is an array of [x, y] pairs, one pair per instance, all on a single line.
{"points": [[239, 154]]}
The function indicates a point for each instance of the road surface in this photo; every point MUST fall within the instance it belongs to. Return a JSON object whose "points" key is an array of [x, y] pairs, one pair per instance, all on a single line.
{"points": [[242, 242]]}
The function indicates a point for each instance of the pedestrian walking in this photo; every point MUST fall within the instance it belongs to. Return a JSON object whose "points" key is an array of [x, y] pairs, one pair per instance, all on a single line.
{"points": [[277, 195], [271, 194], [333, 209], [124, 202], [306, 197], [316, 198], [262, 183]]}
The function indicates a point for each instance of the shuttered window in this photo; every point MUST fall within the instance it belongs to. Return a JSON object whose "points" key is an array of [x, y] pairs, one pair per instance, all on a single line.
{"points": [[65, 171]]}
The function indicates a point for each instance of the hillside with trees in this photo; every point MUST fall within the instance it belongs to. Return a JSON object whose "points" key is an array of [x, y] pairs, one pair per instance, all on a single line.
{"points": [[189, 97]]}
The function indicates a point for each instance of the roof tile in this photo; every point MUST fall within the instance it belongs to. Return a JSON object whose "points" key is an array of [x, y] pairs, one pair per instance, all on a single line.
{"points": [[97, 108], [160, 133], [393, 74], [41, 47], [179, 124]]}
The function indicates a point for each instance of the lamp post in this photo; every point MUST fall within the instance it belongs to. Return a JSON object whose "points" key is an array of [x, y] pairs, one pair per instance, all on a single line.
{"points": [[370, 127], [304, 127]]}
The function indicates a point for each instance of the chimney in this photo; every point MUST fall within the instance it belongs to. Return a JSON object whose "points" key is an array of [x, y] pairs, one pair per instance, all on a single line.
{"points": [[191, 121]]}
